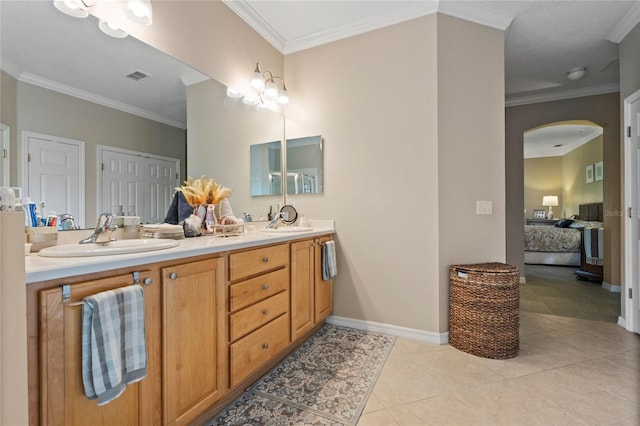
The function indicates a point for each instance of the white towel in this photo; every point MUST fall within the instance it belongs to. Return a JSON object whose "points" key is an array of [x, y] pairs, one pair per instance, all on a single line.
{"points": [[594, 245], [113, 342], [329, 266]]}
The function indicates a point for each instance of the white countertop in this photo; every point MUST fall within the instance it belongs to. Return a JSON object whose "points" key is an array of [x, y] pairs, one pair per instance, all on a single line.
{"points": [[39, 268]]}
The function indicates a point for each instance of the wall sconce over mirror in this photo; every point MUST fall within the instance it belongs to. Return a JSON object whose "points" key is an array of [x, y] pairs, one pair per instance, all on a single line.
{"points": [[264, 93]]}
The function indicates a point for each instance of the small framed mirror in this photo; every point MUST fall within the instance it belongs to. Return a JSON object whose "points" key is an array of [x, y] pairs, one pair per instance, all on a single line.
{"points": [[304, 164], [266, 169]]}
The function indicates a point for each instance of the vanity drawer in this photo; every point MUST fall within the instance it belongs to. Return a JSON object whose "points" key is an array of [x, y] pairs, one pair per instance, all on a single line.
{"points": [[251, 352], [252, 262], [248, 292], [248, 319]]}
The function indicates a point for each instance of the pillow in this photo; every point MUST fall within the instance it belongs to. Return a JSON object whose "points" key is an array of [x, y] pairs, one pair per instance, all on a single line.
{"points": [[564, 223]]}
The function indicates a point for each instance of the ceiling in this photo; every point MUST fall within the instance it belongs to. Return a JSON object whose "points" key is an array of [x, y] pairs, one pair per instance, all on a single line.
{"points": [[556, 140], [543, 39]]}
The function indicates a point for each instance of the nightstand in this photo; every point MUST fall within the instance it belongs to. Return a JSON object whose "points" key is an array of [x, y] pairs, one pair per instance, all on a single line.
{"points": [[542, 222]]}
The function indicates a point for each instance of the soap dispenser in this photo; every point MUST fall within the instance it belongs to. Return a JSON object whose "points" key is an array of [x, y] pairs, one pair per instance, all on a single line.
{"points": [[303, 221]]}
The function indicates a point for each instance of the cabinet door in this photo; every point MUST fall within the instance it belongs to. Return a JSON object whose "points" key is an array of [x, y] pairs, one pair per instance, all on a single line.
{"points": [[323, 289], [62, 398], [194, 371], [302, 287]]}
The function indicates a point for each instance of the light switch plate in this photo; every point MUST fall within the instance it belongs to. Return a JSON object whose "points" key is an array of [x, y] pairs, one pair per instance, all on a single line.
{"points": [[484, 207]]}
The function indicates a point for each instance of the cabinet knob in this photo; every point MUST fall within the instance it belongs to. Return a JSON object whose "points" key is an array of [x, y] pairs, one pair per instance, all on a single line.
{"points": [[148, 281], [265, 346], [265, 311], [265, 259], [173, 275], [265, 286]]}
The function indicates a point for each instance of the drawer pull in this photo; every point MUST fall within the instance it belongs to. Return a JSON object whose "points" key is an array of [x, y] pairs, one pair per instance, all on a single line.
{"points": [[265, 311], [173, 275], [265, 259], [148, 281], [265, 286], [265, 346]]}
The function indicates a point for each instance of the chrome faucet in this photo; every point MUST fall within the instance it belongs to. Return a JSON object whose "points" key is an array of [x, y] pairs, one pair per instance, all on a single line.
{"points": [[276, 218], [103, 231], [67, 221]]}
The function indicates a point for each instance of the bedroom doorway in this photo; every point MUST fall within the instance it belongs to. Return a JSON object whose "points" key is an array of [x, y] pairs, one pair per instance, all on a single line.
{"points": [[563, 193]]}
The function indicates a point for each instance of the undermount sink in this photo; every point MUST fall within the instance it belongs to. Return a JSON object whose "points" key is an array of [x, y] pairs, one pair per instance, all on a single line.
{"points": [[114, 247], [284, 229]]}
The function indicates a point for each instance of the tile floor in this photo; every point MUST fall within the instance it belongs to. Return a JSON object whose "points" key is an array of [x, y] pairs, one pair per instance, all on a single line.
{"points": [[569, 371], [554, 290]]}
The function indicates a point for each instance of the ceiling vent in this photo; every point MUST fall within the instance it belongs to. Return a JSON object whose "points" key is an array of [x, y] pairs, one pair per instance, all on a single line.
{"points": [[138, 75]]}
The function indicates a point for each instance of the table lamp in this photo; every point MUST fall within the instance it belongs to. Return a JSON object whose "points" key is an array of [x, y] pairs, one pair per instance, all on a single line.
{"points": [[550, 201]]}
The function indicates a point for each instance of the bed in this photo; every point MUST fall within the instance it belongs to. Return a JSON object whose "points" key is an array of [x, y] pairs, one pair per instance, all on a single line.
{"points": [[553, 245]]}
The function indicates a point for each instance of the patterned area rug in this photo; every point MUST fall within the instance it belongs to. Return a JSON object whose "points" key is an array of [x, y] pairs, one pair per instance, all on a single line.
{"points": [[326, 381]]}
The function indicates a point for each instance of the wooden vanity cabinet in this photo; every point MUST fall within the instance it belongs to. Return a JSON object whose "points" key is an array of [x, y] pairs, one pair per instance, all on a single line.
{"points": [[62, 398], [193, 339], [311, 297], [258, 309]]}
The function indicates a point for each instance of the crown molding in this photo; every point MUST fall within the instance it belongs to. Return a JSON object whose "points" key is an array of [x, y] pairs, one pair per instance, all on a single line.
{"points": [[360, 27], [96, 99], [255, 21], [477, 14], [10, 68], [564, 94], [627, 23]]}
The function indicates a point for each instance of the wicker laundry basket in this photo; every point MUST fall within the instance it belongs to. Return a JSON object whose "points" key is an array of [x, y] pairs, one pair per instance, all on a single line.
{"points": [[484, 309]]}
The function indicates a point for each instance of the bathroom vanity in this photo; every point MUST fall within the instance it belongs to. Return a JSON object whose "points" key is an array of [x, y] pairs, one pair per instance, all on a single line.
{"points": [[219, 313]]}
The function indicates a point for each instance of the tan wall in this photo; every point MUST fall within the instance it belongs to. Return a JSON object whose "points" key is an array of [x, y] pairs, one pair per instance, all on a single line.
{"points": [[576, 189], [55, 114], [603, 110], [380, 157], [8, 116], [542, 176]]}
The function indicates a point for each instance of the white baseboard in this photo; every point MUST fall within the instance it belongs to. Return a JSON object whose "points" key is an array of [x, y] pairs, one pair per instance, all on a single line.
{"points": [[523, 279], [394, 330], [622, 322], [611, 287]]}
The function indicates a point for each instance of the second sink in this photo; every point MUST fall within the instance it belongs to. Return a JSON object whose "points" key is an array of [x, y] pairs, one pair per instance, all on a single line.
{"points": [[114, 247]]}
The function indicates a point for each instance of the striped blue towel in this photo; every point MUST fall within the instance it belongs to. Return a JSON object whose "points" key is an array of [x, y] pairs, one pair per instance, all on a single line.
{"points": [[329, 265], [594, 245], [113, 342]]}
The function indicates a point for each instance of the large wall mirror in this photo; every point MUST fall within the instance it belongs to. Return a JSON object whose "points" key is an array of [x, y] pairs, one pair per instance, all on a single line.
{"points": [[266, 168], [54, 83], [304, 165]]}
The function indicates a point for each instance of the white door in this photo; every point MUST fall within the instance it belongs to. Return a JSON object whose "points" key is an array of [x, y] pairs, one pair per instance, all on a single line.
{"points": [[138, 184], [53, 172], [632, 221]]}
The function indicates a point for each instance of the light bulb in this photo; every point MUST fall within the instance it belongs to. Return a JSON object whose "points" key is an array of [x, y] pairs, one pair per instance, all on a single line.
{"points": [[139, 11], [283, 97], [71, 7], [271, 90], [111, 29], [233, 93], [257, 82], [251, 100]]}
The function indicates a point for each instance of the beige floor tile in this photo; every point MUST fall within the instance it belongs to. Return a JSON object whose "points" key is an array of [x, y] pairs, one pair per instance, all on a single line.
{"points": [[395, 387], [373, 404], [513, 403], [521, 365], [405, 346], [578, 397], [553, 351], [628, 359], [614, 378], [377, 418], [588, 343], [610, 331], [443, 409]]}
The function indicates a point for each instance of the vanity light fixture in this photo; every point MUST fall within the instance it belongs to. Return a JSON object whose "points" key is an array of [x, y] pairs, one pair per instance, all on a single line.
{"points": [[138, 11], [265, 86]]}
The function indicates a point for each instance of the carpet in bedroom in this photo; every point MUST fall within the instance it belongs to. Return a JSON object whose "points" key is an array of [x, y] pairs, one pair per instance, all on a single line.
{"points": [[555, 290]]}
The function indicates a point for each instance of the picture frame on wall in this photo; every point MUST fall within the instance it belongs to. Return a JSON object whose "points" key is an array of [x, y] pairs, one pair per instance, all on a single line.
{"points": [[598, 171], [539, 214], [589, 173]]}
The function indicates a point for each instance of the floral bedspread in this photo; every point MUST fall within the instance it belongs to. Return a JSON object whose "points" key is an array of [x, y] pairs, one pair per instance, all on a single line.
{"points": [[551, 239]]}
